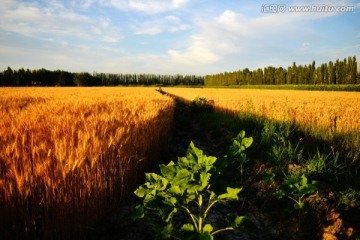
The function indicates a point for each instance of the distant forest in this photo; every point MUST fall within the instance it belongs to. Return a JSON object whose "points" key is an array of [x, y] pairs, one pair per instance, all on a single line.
{"points": [[338, 72], [43, 77]]}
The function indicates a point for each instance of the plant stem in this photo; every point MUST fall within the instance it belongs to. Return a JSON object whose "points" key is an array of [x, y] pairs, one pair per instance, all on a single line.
{"points": [[201, 218], [222, 230], [208, 208], [192, 218]]}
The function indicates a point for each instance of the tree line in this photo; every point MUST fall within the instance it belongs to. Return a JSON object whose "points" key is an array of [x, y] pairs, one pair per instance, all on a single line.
{"points": [[338, 72], [43, 77]]}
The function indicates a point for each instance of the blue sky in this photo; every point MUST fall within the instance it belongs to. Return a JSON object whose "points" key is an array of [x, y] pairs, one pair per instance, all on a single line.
{"points": [[172, 36]]}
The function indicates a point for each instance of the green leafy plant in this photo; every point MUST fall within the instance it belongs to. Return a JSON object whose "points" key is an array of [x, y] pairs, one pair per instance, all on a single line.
{"points": [[237, 149], [199, 101], [184, 188], [269, 177], [296, 188], [350, 198]]}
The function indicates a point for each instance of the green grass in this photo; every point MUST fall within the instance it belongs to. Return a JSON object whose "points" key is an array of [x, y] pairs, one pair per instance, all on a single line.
{"points": [[331, 159]]}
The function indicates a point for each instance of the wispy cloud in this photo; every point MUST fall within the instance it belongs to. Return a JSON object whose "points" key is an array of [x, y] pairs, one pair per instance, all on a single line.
{"points": [[148, 6], [53, 19], [168, 23]]}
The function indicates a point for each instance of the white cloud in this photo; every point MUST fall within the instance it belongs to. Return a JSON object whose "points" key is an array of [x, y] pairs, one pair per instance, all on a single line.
{"points": [[148, 6], [231, 33], [199, 52], [148, 28], [87, 3], [52, 19], [169, 23]]}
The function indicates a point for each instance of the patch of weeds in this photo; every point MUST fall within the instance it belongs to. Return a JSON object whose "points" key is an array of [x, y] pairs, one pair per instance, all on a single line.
{"points": [[349, 198], [277, 139], [326, 167]]}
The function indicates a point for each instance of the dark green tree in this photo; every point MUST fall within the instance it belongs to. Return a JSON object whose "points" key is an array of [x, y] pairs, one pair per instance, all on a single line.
{"points": [[332, 73]]}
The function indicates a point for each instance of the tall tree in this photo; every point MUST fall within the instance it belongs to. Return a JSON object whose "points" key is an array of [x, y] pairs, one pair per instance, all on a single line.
{"points": [[295, 79], [332, 74], [353, 70], [9, 77]]}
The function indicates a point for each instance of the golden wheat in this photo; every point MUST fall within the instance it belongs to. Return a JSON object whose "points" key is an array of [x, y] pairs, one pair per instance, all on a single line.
{"points": [[65, 153], [335, 111]]}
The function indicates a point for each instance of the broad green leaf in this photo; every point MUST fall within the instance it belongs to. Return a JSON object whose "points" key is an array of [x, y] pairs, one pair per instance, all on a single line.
{"points": [[155, 202], [208, 162], [171, 201], [166, 232], [167, 213], [311, 187], [188, 232], [198, 152], [239, 220], [182, 177], [208, 228], [303, 180], [150, 195], [158, 183], [168, 171], [231, 194], [193, 188], [138, 212], [187, 228], [194, 154], [162, 184], [204, 179], [152, 177], [205, 236], [185, 163], [241, 134], [190, 196], [176, 190], [247, 142], [141, 192]]}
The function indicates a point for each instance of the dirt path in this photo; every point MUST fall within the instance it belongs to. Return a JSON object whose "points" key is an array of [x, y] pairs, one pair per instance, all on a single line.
{"points": [[187, 127], [116, 225], [268, 220]]}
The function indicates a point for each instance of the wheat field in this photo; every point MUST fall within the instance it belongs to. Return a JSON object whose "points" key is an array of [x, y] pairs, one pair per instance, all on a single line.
{"points": [[69, 154], [331, 117], [334, 111]]}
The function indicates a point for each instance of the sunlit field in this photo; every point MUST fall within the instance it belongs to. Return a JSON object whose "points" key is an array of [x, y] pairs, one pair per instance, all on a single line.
{"points": [[68, 154], [303, 140], [331, 117], [334, 111]]}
